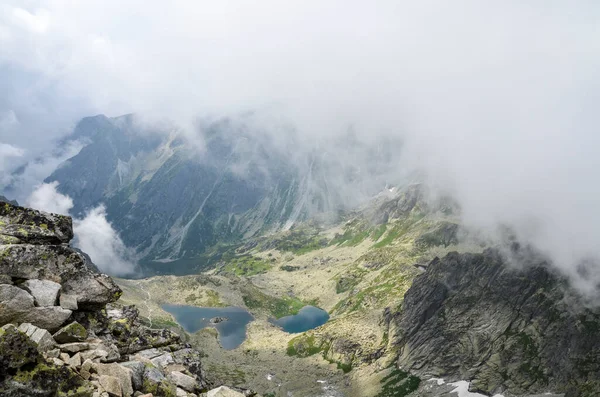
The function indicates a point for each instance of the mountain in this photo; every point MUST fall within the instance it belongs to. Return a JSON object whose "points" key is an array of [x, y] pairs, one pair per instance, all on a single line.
{"points": [[517, 327], [5, 200], [174, 203]]}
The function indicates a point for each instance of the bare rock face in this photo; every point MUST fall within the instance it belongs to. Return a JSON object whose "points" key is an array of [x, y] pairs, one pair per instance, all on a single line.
{"points": [[30, 226], [469, 316], [14, 302], [44, 292], [67, 342], [62, 265]]}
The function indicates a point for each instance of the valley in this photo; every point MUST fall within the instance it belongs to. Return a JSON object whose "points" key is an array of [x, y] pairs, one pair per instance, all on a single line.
{"points": [[357, 271]]}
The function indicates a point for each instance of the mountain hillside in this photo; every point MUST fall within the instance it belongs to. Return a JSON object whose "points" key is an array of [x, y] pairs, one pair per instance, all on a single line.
{"points": [[174, 203]]}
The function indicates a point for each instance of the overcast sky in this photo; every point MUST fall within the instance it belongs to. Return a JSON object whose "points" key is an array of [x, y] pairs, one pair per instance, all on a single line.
{"points": [[497, 101]]}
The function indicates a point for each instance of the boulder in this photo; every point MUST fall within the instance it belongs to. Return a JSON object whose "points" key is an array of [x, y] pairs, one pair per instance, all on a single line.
{"points": [[5, 279], [53, 353], [163, 360], [63, 265], [16, 350], [67, 301], [137, 373], [50, 318], [41, 337], [14, 302], [122, 374], [44, 292], [74, 332], [183, 381], [16, 306], [75, 361], [224, 391], [111, 385], [34, 227]]}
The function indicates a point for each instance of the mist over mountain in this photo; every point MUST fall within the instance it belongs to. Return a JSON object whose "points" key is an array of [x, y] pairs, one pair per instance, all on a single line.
{"points": [[171, 202], [424, 174]]}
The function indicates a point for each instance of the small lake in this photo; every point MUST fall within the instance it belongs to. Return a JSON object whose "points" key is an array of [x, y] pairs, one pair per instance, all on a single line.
{"points": [[232, 332], [308, 317]]}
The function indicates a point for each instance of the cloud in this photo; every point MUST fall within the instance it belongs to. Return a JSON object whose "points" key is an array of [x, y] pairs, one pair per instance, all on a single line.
{"points": [[8, 155], [46, 198], [496, 103], [21, 171], [94, 235]]}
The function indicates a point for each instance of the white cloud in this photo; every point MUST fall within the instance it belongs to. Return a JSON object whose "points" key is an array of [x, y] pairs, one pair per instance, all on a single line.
{"points": [[46, 198], [94, 235], [497, 102]]}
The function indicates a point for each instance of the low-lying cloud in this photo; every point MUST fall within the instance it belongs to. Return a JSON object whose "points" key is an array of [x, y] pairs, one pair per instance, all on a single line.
{"points": [[94, 235], [495, 103]]}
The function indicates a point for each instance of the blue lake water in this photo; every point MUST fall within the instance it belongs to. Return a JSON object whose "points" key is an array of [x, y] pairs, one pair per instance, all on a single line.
{"points": [[231, 332], [308, 317]]}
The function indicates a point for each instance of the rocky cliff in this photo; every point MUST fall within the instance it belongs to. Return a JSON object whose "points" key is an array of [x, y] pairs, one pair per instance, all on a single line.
{"points": [[519, 328], [62, 333]]}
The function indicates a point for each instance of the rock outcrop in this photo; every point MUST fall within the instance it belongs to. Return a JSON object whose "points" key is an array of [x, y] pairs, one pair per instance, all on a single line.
{"points": [[521, 329], [62, 332]]}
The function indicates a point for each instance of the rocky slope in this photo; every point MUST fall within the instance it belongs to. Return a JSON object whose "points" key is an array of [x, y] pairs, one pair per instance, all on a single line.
{"points": [[519, 328], [173, 203], [62, 333], [400, 316]]}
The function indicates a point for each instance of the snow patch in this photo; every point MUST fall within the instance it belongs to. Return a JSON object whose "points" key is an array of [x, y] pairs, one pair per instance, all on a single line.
{"points": [[462, 389]]}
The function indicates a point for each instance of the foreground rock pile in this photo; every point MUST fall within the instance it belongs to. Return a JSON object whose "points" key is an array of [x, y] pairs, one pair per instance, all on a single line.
{"points": [[61, 333]]}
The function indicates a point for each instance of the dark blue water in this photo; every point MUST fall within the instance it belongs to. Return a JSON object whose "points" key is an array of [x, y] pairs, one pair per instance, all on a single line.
{"points": [[308, 317], [231, 332]]}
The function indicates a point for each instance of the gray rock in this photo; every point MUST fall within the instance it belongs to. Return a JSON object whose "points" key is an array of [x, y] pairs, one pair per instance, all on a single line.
{"points": [[183, 381], [53, 353], [73, 332], [111, 385], [505, 328], [181, 393], [17, 307], [86, 368], [75, 361], [35, 227], [137, 373], [122, 374], [154, 375], [149, 353], [223, 391], [17, 349], [63, 265], [40, 336], [15, 303], [74, 347], [44, 292], [50, 318], [163, 360], [5, 279], [104, 352], [67, 301]]}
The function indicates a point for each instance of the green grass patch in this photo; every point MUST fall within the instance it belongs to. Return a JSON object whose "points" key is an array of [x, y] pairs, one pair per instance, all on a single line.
{"points": [[378, 232], [277, 307], [298, 241], [389, 237], [246, 265], [304, 346], [398, 383], [159, 323], [308, 345]]}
